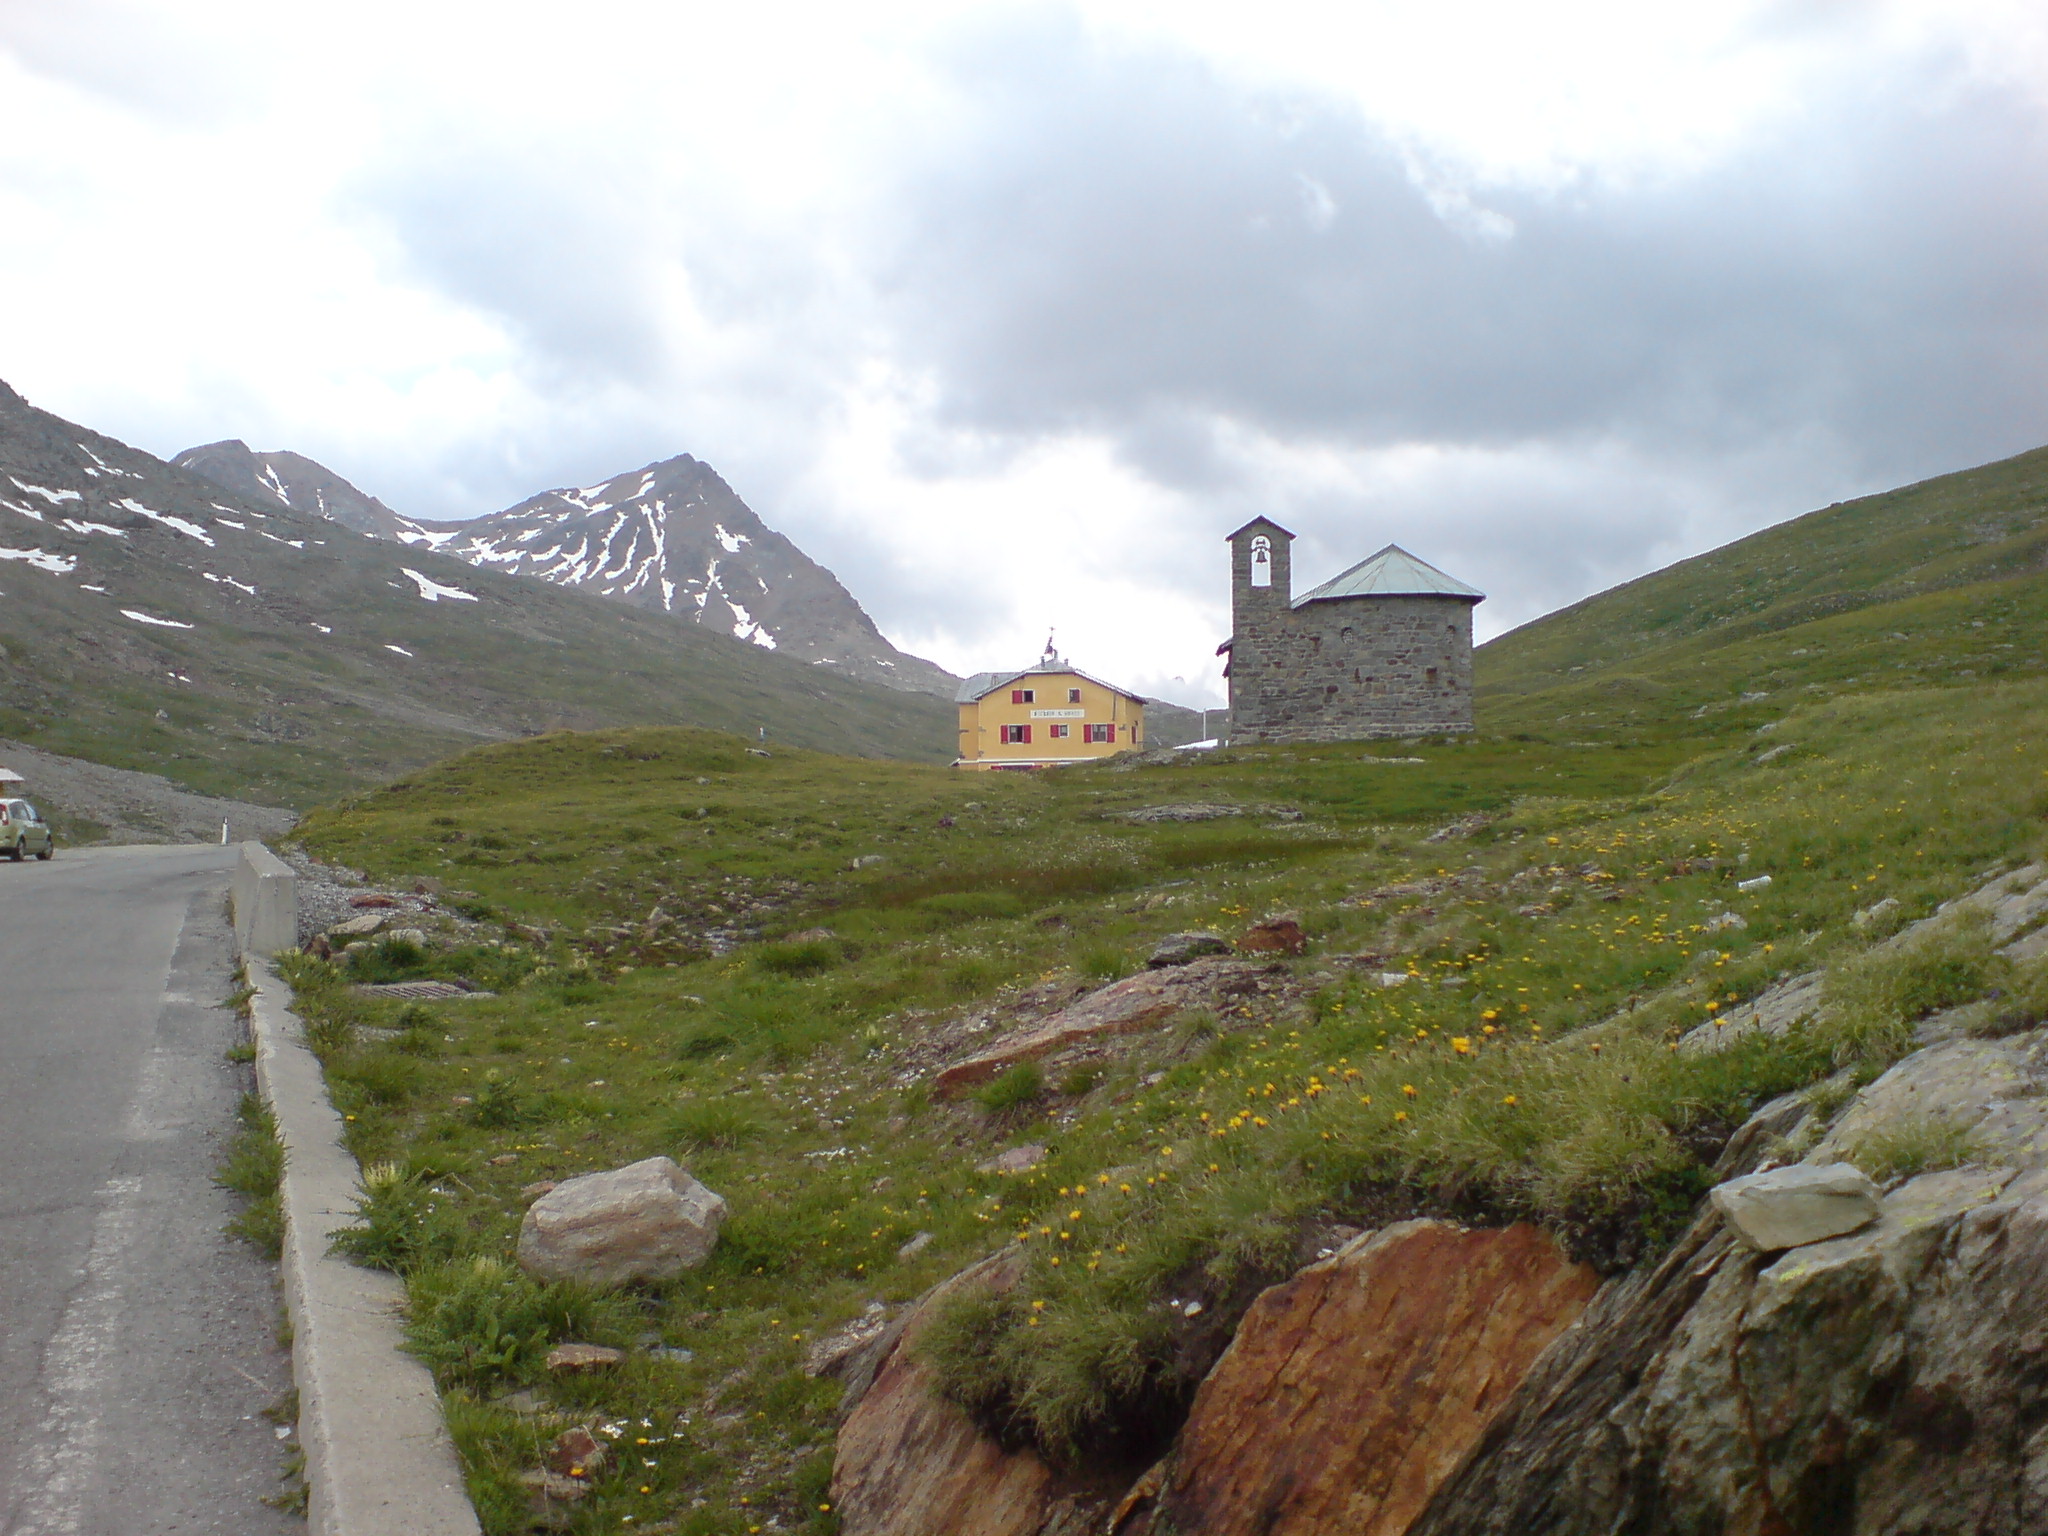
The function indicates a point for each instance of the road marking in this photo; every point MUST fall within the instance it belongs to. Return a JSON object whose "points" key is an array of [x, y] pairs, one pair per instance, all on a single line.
{"points": [[79, 1366]]}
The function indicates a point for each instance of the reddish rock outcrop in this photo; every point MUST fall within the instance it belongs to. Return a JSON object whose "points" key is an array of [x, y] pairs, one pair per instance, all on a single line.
{"points": [[910, 1463], [1122, 1008], [1352, 1391], [1280, 935]]}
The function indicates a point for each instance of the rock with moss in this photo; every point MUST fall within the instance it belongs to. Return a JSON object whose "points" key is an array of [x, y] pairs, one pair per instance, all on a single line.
{"points": [[1790, 1207], [648, 1221]]}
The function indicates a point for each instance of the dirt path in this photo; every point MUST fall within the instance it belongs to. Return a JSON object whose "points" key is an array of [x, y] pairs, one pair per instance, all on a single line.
{"points": [[127, 807]]}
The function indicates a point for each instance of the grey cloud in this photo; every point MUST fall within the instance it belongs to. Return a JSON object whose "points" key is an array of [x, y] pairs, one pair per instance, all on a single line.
{"points": [[1118, 240], [1124, 243]]}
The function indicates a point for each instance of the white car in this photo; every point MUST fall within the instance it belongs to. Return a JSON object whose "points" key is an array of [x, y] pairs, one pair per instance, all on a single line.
{"points": [[23, 831]]}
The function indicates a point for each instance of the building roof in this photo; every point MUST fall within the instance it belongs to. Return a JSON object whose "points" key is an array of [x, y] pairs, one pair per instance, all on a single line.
{"points": [[974, 689], [1393, 572], [1248, 527]]}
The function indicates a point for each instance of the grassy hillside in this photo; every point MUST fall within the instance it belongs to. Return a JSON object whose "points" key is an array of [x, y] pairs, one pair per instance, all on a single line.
{"points": [[150, 619], [757, 965], [1902, 576], [1584, 931]]}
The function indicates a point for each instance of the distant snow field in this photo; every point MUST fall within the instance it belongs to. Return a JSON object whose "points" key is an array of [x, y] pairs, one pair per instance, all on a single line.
{"points": [[143, 618]]}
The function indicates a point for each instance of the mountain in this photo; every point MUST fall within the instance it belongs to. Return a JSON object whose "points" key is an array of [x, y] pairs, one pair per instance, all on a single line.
{"points": [[292, 480], [672, 537], [152, 619]]}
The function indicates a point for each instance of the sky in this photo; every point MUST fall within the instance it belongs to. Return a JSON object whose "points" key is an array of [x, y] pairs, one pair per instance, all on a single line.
{"points": [[1008, 313]]}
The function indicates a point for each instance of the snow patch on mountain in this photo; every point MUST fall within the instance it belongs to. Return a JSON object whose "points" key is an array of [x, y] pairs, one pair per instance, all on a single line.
{"points": [[433, 591], [55, 498], [169, 520], [43, 560]]}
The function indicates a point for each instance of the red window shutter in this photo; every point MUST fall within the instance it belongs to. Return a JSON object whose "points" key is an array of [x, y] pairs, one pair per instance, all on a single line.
{"points": [[1027, 735], [1109, 734], [1016, 695]]}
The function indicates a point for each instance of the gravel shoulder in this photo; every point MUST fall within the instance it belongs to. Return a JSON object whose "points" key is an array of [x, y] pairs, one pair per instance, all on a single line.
{"points": [[130, 807]]}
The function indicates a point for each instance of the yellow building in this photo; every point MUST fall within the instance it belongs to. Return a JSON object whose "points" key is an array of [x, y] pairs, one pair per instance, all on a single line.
{"points": [[1044, 716]]}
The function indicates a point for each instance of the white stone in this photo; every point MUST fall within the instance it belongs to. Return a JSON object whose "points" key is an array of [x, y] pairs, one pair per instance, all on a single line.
{"points": [[1790, 1207], [647, 1221]]}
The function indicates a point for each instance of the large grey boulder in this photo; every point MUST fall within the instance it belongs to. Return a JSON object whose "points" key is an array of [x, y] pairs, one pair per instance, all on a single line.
{"points": [[1791, 1207], [647, 1221]]}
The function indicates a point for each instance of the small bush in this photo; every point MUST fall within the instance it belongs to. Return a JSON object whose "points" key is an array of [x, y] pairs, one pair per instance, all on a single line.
{"points": [[712, 1123], [254, 1168], [403, 1222], [1912, 1146], [963, 1343], [806, 957], [498, 1104], [1081, 1080], [972, 975], [1019, 1085], [389, 959], [699, 1043], [1103, 962], [2025, 1003], [1872, 1000], [479, 1320], [330, 1028], [385, 1077], [953, 907]]}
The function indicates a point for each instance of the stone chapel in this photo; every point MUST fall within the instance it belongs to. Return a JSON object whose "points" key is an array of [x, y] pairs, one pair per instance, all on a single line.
{"points": [[1385, 649]]}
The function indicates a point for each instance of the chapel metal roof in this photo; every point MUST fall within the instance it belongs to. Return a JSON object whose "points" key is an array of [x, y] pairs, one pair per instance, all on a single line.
{"points": [[1393, 572]]}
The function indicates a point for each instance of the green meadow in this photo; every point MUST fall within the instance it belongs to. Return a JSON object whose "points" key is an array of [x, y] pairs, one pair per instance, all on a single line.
{"points": [[755, 964]]}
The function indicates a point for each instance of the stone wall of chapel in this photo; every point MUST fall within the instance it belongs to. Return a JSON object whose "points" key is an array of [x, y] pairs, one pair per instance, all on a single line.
{"points": [[1352, 668]]}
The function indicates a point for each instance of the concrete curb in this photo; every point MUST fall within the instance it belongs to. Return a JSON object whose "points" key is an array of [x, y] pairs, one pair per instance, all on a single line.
{"points": [[378, 1458], [266, 902]]}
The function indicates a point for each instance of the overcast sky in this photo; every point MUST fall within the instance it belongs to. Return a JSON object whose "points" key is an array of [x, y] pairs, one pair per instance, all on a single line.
{"points": [[1008, 313]]}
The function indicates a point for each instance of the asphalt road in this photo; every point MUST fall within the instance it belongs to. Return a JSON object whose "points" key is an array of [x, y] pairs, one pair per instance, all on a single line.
{"points": [[138, 1342]]}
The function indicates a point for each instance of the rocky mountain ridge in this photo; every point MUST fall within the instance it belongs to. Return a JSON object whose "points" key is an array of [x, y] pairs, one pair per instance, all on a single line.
{"points": [[671, 537], [293, 481], [153, 619]]}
